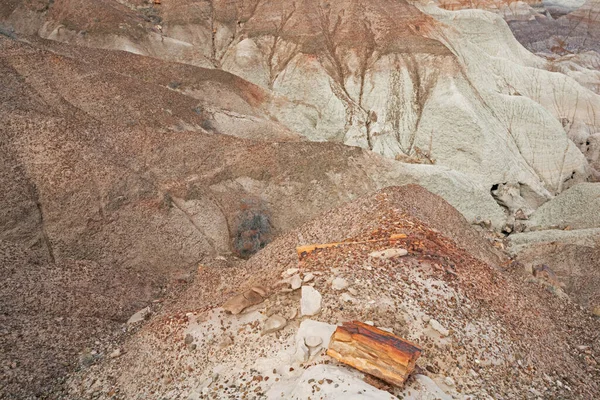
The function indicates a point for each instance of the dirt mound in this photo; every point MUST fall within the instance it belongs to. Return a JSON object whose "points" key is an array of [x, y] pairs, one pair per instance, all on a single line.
{"points": [[495, 333]]}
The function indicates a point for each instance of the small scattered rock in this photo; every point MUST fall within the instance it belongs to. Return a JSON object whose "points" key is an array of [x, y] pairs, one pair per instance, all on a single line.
{"points": [[346, 298], [239, 303], [432, 368], [308, 277], [425, 318], [339, 283], [353, 291], [116, 353], [290, 272], [389, 253], [449, 381], [273, 324], [296, 282], [139, 316], [310, 303], [313, 341], [438, 327]]}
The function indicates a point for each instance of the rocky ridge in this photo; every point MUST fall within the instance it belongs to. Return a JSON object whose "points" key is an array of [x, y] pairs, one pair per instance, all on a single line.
{"points": [[485, 330]]}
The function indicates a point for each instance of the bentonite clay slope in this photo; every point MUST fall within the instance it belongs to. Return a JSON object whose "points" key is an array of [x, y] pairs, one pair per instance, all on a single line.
{"points": [[425, 85], [485, 331]]}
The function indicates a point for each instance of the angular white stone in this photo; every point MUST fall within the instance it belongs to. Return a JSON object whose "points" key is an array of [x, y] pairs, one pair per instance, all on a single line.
{"points": [[295, 282], [313, 341], [310, 304]]}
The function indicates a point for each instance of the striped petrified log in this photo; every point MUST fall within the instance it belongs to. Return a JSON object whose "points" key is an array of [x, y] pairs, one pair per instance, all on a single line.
{"points": [[374, 351]]}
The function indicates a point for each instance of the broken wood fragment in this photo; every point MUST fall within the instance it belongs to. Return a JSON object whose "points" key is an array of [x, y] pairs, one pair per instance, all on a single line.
{"points": [[303, 251], [374, 351]]}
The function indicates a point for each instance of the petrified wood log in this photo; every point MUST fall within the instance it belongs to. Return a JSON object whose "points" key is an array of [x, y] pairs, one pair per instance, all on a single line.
{"points": [[303, 251], [376, 352]]}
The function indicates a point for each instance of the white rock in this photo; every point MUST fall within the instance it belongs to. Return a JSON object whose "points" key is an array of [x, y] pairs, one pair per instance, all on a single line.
{"points": [[449, 381], [438, 327], [339, 283], [296, 282], [308, 277], [310, 304], [389, 253], [346, 298], [425, 318], [290, 272], [313, 341], [302, 352], [310, 328], [116, 353], [139, 316], [352, 291], [273, 324]]}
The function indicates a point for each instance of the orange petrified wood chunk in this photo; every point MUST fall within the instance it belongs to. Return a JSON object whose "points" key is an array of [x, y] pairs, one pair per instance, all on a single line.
{"points": [[376, 352]]}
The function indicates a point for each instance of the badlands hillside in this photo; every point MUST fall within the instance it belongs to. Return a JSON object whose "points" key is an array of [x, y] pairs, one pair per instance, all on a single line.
{"points": [[161, 161]]}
